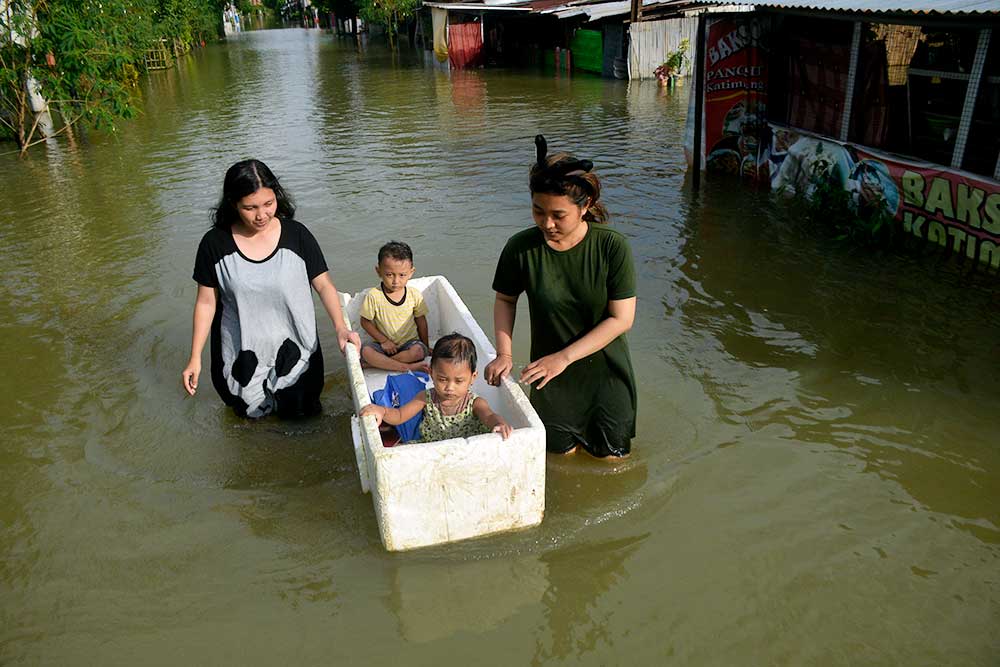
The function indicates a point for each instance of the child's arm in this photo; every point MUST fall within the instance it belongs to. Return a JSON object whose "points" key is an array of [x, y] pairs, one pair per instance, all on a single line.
{"points": [[421, 321], [387, 345], [493, 421], [396, 416]]}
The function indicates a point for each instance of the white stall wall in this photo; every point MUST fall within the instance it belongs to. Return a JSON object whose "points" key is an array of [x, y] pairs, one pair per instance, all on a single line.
{"points": [[651, 41]]}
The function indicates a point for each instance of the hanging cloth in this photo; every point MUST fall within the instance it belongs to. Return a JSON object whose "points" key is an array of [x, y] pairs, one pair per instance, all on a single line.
{"points": [[439, 20], [465, 44]]}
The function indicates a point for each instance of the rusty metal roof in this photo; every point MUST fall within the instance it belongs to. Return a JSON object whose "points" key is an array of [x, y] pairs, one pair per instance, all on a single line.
{"points": [[873, 6]]}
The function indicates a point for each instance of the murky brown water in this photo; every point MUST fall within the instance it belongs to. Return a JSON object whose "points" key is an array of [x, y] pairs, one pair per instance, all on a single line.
{"points": [[816, 478]]}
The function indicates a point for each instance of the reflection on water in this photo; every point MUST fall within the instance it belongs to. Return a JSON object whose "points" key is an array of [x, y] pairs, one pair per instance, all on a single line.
{"points": [[815, 479], [578, 577], [437, 600]]}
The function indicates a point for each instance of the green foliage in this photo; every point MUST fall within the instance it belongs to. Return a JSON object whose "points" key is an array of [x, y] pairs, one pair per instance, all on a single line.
{"points": [[186, 20], [389, 13], [85, 55], [828, 206], [674, 63], [342, 8], [677, 59], [94, 42]]}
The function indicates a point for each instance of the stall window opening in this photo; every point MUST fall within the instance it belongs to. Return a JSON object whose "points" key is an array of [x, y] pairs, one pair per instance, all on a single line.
{"points": [[910, 89]]}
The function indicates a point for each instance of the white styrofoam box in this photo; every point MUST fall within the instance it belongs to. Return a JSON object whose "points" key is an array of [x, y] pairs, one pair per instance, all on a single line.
{"points": [[437, 492]]}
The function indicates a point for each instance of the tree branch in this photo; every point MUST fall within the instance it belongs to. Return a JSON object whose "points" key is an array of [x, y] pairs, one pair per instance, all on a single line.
{"points": [[62, 129]]}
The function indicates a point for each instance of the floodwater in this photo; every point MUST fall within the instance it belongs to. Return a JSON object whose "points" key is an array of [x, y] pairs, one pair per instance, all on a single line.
{"points": [[816, 477]]}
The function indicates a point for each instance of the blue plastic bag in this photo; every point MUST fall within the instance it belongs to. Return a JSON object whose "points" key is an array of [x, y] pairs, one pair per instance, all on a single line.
{"points": [[400, 390]]}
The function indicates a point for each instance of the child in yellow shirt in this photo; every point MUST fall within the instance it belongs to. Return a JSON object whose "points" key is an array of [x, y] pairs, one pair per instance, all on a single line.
{"points": [[394, 315]]}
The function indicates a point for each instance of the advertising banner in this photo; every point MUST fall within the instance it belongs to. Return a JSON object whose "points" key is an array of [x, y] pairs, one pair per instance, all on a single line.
{"points": [[736, 97], [951, 208]]}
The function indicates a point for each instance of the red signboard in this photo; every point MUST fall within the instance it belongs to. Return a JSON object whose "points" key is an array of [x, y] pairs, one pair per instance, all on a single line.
{"points": [[736, 97]]}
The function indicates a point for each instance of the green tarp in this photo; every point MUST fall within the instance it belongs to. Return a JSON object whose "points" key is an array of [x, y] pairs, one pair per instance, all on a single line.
{"points": [[588, 51]]}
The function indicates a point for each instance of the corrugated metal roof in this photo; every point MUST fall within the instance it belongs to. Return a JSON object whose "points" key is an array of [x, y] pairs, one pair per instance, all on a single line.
{"points": [[475, 7], [593, 9], [880, 6]]}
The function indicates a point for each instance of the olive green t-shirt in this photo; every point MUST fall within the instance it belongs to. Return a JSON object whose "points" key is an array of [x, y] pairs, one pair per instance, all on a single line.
{"points": [[568, 293]]}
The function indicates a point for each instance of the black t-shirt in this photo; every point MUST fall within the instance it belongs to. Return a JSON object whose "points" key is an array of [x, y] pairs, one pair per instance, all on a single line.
{"points": [[264, 336], [568, 292]]}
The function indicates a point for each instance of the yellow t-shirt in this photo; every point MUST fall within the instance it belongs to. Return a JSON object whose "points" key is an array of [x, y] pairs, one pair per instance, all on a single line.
{"points": [[396, 322]]}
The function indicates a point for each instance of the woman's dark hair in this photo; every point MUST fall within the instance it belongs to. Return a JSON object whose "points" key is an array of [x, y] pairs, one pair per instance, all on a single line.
{"points": [[563, 174], [455, 348], [245, 178], [396, 250]]}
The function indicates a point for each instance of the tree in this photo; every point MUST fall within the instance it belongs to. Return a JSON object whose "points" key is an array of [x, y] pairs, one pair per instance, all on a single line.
{"points": [[84, 56], [187, 20], [389, 13]]}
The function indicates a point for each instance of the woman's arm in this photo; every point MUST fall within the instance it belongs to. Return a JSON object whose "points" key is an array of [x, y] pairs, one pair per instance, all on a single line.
{"points": [[621, 315], [204, 313], [504, 313], [481, 408], [331, 302], [396, 416]]}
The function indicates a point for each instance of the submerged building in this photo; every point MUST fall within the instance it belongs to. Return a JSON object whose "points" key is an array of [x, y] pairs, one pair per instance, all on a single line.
{"points": [[611, 38], [895, 101]]}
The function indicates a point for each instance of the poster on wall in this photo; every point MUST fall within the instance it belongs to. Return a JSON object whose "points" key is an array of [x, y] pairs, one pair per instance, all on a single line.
{"points": [[951, 208], [736, 97]]}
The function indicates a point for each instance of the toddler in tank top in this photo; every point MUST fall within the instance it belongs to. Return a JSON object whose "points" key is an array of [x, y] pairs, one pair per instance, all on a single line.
{"points": [[451, 409]]}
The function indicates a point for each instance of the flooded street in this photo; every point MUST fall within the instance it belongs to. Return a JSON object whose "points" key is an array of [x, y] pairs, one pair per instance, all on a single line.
{"points": [[816, 477]]}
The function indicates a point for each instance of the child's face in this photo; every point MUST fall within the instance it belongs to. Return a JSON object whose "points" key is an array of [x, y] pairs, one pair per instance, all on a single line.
{"points": [[395, 273], [452, 379]]}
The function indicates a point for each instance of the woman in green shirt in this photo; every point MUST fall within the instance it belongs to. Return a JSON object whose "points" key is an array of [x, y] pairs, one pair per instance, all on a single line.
{"points": [[580, 282]]}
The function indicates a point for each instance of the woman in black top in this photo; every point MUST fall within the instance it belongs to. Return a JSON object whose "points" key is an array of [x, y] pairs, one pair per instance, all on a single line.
{"points": [[578, 276], [254, 270]]}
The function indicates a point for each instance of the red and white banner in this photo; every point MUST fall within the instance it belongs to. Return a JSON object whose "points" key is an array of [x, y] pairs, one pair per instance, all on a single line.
{"points": [[736, 97]]}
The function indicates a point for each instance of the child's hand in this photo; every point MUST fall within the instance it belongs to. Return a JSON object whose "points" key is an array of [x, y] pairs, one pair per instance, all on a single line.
{"points": [[376, 411], [389, 348], [503, 428]]}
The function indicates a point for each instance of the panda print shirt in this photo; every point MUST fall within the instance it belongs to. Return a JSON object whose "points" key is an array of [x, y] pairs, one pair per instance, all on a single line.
{"points": [[266, 355]]}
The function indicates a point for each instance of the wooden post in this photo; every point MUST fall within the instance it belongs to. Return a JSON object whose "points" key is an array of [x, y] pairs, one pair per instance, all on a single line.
{"points": [[699, 102]]}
